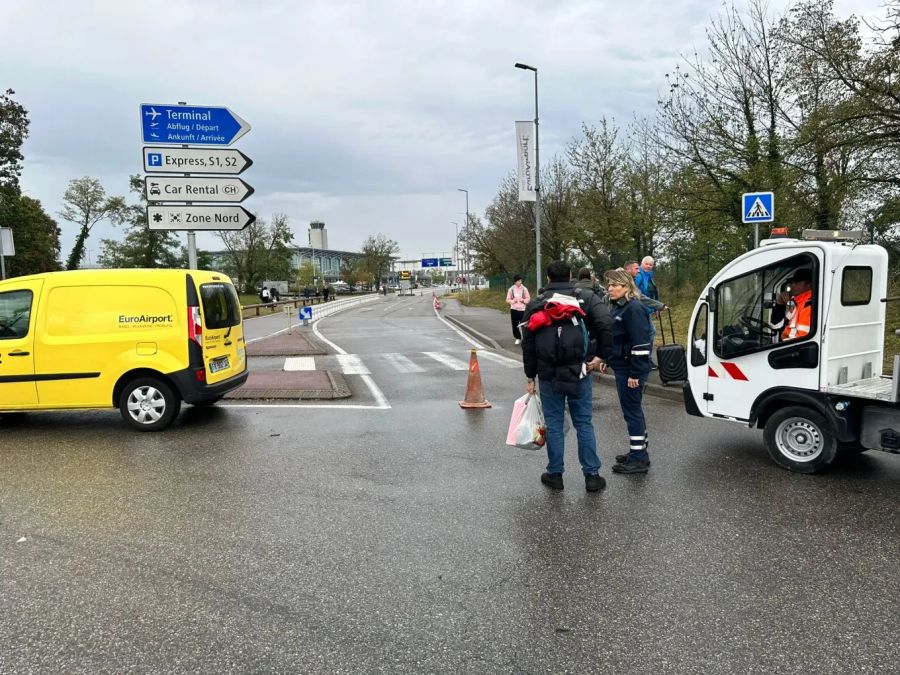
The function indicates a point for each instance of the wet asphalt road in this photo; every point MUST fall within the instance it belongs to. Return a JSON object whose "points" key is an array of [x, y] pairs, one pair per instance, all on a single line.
{"points": [[409, 539]]}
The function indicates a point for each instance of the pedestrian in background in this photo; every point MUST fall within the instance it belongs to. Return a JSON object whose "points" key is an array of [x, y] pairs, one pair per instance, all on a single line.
{"points": [[647, 286], [630, 360], [567, 335], [588, 282], [517, 297]]}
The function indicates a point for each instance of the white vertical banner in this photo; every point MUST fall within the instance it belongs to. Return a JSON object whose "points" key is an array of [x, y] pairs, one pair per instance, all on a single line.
{"points": [[525, 154]]}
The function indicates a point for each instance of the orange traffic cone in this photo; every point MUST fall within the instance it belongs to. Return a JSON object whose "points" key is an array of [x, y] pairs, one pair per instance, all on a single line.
{"points": [[474, 394]]}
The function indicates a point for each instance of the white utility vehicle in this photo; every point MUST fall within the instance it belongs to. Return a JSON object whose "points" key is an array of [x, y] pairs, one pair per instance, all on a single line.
{"points": [[815, 394]]}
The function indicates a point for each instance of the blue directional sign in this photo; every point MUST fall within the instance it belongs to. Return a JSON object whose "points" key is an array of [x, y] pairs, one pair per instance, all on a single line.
{"points": [[446, 262], [758, 207], [429, 262], [306, 314], [190, 125]]}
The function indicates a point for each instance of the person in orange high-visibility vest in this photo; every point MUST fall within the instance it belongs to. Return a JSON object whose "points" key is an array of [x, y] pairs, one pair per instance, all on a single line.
{"points": [[792, 314]]}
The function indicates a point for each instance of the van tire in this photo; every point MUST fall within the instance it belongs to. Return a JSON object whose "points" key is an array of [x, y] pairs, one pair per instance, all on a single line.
{"points": [[149, 404], [799, 439]]}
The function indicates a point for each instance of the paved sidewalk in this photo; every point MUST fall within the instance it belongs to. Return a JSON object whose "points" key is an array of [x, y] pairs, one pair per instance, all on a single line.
{"points": [[493, 327]]}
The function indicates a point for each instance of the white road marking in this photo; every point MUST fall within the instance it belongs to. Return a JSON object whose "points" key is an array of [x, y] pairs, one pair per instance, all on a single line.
{"points": [[447, 360], [499, 358], [379, 396], [351, 364], [456, 330], [300, 363], [403, 364]]}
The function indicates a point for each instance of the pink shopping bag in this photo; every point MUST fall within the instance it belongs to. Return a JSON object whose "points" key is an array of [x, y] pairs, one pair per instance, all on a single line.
{"points": [[518, 410]]}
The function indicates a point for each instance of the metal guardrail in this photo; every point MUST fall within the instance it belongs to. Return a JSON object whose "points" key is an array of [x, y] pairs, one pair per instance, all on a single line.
{"points": [[320, 311]]}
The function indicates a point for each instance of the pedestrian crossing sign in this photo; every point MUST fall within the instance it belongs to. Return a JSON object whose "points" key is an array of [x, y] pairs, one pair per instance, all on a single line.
{"points": [[758, 207]]}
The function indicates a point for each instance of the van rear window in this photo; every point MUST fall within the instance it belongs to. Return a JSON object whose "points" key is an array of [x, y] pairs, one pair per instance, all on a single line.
{"points": [[221, 308]]}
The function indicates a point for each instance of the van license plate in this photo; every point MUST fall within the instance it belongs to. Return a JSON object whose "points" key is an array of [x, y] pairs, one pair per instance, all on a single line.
{"points": [[218, 364]]}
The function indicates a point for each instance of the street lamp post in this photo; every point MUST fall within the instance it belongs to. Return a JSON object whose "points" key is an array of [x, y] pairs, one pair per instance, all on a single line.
{"points": [[537, 177], [468, 261], [456, 245]]}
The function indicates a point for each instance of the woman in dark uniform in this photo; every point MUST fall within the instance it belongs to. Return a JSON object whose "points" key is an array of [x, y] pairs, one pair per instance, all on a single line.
{"points": [[631, 362]]}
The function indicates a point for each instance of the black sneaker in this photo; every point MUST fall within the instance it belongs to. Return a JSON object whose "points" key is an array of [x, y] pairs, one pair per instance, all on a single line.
{"points": [[552, 480], [632, 466], [594, 483], [621, 459]]}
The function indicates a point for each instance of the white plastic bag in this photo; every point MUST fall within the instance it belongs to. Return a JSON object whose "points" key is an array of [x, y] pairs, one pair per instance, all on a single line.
{"points": [[531, 430], [516, 417]]}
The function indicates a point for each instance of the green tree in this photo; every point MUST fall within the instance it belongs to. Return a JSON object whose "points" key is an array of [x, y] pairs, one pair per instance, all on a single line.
{"points": [[306, 274], [141, 247], [13, 132], [86, 204], [258, 252], [36, 236], [377, 251]]}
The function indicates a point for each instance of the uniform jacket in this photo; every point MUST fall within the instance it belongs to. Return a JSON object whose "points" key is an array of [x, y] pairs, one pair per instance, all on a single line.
{"points": [[796, 321], [539, 348], [631, 338]]}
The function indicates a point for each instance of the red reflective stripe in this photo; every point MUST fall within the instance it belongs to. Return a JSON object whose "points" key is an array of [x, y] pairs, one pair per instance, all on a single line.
{"points": [[712, 373], [734, 371]]}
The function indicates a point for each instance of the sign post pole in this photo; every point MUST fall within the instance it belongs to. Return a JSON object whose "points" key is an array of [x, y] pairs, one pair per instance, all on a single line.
{"points": [[2, 262]]}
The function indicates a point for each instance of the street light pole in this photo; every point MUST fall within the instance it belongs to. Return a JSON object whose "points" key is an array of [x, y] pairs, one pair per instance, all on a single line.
{"points": [[537, 177], [468, 261], [456, 245]]}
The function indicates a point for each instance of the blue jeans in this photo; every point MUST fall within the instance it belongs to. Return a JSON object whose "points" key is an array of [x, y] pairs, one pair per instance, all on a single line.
{"points": [[633, 411], [581, 411]]}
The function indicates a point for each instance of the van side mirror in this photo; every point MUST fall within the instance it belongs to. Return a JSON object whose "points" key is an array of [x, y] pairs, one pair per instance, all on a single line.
{"points": [[711, 299]]}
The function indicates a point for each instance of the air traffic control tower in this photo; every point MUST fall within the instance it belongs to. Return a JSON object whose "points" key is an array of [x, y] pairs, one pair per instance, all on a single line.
{"points": [[318, 236]]}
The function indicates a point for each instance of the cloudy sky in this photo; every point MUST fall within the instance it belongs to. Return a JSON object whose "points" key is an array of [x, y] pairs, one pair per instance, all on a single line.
{"points": [[366, 115]]}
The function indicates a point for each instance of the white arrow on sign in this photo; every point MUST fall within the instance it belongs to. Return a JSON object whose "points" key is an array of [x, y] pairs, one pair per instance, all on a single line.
{"points": [[198, 217], [195, 160], [178, 189]]}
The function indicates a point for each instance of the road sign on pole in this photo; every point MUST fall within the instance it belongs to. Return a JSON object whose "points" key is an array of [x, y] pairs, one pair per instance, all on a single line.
{"points": [[195, 160], [7, 247], [190, 125], [190, 189], [446, 262], [429, 262], [200, 217], [758, 207]]}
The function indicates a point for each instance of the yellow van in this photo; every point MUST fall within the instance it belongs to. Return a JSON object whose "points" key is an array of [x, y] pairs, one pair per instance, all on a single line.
{"points": [[139, 340]]}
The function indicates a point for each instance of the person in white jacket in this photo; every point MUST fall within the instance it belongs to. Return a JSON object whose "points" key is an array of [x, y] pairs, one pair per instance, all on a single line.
{"points": [[517, 297]]}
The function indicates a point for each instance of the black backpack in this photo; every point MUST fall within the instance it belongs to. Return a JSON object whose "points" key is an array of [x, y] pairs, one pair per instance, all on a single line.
{"points": [[572, 336]]}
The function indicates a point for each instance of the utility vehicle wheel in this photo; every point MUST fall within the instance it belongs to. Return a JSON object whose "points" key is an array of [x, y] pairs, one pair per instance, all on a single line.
{"points": [[149, 404], [799, 439]]}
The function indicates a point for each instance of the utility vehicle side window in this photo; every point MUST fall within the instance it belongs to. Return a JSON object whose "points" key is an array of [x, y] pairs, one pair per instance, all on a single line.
{"points": [[699, 341], [754, 310], [15, 312], [856, 286]]}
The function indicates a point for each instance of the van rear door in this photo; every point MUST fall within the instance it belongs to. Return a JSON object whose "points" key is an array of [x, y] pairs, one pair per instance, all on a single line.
{"points": [[224, 354]]}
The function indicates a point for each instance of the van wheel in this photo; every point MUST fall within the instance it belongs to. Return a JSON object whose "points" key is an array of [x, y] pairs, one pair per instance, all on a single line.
{"points": [[149, 404], [799, 439]]}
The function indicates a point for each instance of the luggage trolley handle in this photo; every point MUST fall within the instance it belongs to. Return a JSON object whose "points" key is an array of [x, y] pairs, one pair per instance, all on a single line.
{"points": [[671, 325]]}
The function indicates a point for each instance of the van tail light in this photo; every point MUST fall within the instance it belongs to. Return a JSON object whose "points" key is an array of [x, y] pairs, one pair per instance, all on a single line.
{"points": [[195, 327], [200, 375]]}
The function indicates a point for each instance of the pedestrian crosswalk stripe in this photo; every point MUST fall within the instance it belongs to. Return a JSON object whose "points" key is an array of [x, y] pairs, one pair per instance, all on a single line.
{"points": [[403, 364], [351, 364], [447, 360], [300, 363]]}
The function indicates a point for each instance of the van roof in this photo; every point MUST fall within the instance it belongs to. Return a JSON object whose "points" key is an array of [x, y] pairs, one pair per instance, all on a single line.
{"points": [[122, 274]]}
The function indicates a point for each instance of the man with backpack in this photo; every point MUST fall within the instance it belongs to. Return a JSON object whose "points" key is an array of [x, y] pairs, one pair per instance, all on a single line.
{"points": [[568, 335]]}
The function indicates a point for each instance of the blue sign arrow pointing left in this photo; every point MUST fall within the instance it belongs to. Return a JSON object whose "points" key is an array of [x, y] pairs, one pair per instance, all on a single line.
{"points": [[190, 125]]}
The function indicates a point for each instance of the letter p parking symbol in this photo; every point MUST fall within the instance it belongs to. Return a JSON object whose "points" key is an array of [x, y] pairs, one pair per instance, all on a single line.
{"points": [[154, 159]]}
